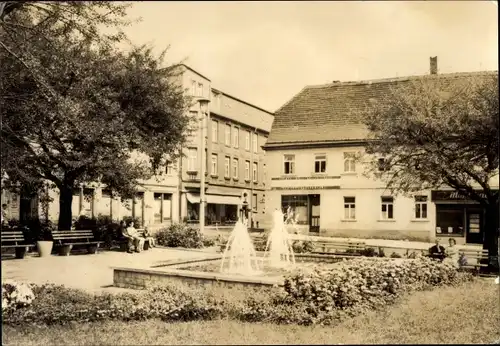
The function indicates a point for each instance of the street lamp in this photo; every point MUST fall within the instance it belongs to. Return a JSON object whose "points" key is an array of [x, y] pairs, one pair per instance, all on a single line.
{"points": [[203, 110], [244, 208]]}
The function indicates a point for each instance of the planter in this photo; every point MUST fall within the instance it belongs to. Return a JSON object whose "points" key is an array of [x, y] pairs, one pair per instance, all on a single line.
{"points": [[44, 248]]}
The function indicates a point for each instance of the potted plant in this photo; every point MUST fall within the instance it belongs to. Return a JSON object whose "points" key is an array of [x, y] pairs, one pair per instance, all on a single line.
{"points": [[44, 242]]}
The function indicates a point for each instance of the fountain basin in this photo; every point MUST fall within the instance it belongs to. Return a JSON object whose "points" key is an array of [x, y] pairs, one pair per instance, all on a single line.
{"points": [[204, 272]]}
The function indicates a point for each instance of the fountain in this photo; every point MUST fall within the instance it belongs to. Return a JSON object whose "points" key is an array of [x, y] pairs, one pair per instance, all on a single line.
{"points": [[239, 256], [279, 249]]}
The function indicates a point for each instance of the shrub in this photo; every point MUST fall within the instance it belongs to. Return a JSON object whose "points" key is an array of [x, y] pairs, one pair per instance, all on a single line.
{"points": [[180, 235], [361, 284], [303, 246], [368, 252], [395, 255], [36, 229], [207, 242], [16, 295]]}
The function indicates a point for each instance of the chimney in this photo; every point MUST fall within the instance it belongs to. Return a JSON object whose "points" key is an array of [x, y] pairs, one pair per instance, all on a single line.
{"points": [[434, 64]]}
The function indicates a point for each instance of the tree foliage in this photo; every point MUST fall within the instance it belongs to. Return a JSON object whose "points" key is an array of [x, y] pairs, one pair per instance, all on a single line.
{"points": [[75, 109], [439, 131], [434, 132]]}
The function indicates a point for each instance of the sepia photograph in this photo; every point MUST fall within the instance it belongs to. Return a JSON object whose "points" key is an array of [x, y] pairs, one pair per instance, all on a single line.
{"points": [[249, 172]]}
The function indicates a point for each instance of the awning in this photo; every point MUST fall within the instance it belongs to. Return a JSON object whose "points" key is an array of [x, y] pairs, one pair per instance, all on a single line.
{"points": [[217, 199], [213, 199], [193, 197]]}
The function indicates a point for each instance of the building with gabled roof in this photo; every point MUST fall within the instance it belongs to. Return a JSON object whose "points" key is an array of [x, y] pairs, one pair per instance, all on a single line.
{"points": [[311, 168]]}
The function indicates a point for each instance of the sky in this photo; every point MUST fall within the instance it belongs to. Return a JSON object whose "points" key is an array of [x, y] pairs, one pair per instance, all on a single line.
{"points": [[266, 52]]}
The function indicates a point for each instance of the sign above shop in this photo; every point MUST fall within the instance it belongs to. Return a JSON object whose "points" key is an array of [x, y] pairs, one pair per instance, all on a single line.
{"points": [[452, 196]]}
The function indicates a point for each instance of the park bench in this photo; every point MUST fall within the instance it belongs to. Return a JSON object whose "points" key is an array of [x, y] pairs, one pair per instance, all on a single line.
{"points": [[329, 247], [64, 241], [475, 258], [124, 241], [14, 238]]}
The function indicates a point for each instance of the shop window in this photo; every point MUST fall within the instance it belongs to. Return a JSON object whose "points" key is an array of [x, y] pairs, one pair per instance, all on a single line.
{"points": [[298, 205], [162, 207], [450, 220]]}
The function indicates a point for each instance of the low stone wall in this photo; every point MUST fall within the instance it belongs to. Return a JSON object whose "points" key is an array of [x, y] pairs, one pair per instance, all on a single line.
{"points": [[144, 278]]}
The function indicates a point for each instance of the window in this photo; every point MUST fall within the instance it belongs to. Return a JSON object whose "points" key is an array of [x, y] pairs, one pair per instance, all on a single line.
{"points": [[214, 164], [247, 170], [320, 164], [349, 208], [349, 163], [382, 164], [289, 164], [235, 168], [247, 140], [193, 88], [169, 168], [192, 159], [387, 208], [254, 202], [298, 206], [420, 207], [215, 132], [254, 172], [227, 160], [227, 136], [236, 139], [162, 207], [450, 219], [200, 89], [254, 142]]}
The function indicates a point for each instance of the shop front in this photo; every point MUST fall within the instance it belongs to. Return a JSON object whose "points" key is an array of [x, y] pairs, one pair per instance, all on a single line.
{"points": [[221, 210], [458, 217]]}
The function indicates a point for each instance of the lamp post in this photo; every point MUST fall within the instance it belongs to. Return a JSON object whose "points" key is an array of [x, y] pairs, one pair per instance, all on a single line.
{"points": [[244, 208], [203, 110]]}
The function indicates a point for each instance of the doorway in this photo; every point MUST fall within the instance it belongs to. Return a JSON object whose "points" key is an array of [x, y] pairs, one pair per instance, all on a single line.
{"points": [[474, 229], [314, 212]]}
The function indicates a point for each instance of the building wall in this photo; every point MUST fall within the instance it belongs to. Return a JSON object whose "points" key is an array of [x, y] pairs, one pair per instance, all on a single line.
{"points": [[335, 184]]}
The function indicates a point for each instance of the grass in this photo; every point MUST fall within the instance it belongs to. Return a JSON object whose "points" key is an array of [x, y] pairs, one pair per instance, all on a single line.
{"points": [[468, 313]]}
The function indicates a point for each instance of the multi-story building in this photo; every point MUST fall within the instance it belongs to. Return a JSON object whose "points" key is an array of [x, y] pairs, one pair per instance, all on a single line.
{"points": [[234, 132], [311, 165]]}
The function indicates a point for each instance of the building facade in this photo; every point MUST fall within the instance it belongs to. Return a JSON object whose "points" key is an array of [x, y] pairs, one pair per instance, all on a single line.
{"points": [[234, 133], [313, 164]]}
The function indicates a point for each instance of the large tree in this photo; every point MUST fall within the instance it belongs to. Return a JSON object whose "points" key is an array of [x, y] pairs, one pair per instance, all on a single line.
{"points": [[75, 110], [440, 131]]}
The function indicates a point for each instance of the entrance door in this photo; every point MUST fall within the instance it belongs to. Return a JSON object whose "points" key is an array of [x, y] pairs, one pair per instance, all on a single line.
{"points": [[474, 231], [314, 213]]}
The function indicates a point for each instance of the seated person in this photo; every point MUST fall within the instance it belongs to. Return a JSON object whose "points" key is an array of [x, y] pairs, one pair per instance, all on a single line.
{"points": [[437, 251], [452, 254], [134, 238], [147, 236]]}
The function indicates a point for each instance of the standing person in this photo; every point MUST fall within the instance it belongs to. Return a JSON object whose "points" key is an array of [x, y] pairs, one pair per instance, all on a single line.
{"points": [[5, 219], [131, 233], [452, 252], [437, 251]]}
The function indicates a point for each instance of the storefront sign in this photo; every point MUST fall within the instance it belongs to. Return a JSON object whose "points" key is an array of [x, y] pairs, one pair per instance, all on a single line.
{"points": [[452, 196], [306, 188]]}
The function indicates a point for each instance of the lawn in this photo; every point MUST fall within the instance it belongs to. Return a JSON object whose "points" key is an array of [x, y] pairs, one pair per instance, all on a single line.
{"points": [[469, 313]]}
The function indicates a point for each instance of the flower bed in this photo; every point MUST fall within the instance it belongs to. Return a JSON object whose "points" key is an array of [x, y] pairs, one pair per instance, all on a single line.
{"points": [[323, 296]]}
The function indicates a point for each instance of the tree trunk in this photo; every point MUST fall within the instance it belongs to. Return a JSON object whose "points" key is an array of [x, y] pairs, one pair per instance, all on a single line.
{"points": [[65, 203], [491, 234]]}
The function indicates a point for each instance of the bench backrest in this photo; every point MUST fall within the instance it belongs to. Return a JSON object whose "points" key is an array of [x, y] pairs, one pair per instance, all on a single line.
{"points": [[479, 254], [339, 245], [12, 236], [73, 236]]}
